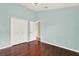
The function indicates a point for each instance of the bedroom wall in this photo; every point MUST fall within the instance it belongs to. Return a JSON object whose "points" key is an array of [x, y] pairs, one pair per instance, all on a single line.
{"points": [[61, 27], [6, 12]]}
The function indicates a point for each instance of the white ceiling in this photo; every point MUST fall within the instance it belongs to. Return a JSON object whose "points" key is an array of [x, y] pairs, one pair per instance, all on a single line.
{"points": [[43, 6]]}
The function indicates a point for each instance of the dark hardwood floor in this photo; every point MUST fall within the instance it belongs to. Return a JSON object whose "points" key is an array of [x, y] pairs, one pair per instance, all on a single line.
{"points": [[36, 49]]}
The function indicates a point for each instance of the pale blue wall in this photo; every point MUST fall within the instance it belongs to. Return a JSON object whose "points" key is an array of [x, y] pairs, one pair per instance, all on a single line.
{"points": [[6, 11], [61, 26]]}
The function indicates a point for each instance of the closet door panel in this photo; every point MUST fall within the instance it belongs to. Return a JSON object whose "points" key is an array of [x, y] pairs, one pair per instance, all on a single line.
{"points": [[19, 31]]}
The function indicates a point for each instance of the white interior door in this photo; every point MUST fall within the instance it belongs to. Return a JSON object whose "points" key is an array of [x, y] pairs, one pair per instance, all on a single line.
{"points": [[19, 31], [32, 31]]}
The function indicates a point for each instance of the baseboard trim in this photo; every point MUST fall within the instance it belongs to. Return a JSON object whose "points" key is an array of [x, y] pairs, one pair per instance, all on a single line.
{"points": [[5, 47], [13, 45], [60, 46]]}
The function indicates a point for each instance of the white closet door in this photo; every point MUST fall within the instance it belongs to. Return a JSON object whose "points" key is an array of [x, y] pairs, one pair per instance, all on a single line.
{"points": [[19, 31]]}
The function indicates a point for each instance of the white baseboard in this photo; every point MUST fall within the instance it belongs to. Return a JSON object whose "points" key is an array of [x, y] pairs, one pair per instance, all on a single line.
{"points": [[13, 45], [60, 46], [5, 47]]}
